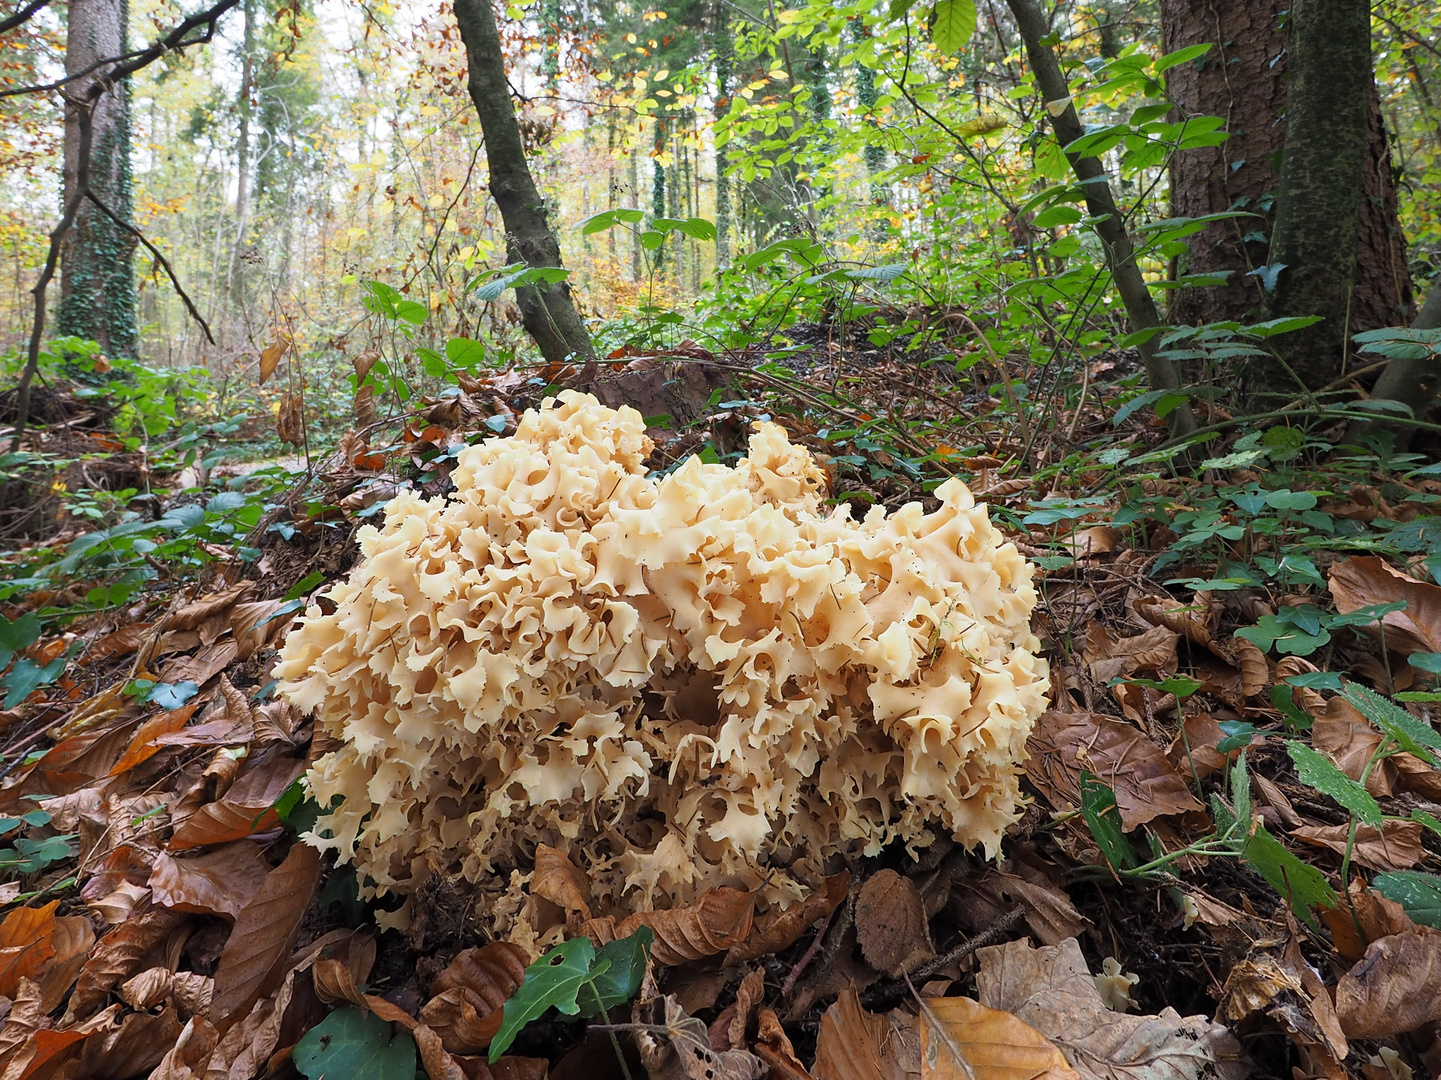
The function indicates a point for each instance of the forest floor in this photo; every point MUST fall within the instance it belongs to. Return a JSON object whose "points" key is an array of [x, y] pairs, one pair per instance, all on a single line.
{"points": [[1226, 867]]}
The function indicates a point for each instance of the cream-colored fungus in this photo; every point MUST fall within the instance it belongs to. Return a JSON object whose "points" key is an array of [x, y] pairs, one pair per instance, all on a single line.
{"points": [[706, 678]]}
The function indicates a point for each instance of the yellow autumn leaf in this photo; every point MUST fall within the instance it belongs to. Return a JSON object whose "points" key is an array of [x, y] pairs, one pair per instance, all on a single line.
{"points": [[963, 1040]]}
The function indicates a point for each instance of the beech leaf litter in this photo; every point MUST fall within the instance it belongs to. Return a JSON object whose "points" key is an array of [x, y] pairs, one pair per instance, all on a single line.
{"points": [[542, 743]]}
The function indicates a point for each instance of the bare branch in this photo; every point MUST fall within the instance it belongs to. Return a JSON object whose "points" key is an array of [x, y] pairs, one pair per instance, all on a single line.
{"points": [[10, 22], [57, 236], [133, 231], [129, 63]]}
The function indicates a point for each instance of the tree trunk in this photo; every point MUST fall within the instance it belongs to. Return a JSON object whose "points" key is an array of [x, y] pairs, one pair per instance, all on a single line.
{"points": [[546, 311], [97, 281], [1242, 79], [1120, 254]]}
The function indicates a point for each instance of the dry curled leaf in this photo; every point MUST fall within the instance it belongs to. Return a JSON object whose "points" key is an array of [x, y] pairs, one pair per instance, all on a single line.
{"points": [[271, 355], [963, 1040], [854, 1044], [560, 881], [252, 964], [774, 1047], [1146, 785], [1195, 621], [1394, 846], [779, 930], [469, 995], [289, 422], [119, 955], [1394, 988], [1366, 580], [681, 1049], [719, 919], [891, 923], [1053, 991]]}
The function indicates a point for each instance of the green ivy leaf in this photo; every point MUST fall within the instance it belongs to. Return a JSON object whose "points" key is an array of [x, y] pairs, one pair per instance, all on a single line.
{"points": [[620, 979], [1316, 770], [552, 981], [1418, 893], [353, 1045]]}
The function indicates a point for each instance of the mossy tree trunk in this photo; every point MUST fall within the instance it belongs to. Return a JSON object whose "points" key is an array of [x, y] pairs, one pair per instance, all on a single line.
{"points": [[547, 311], [1243, 79], [1316, 238], [97, 278]]}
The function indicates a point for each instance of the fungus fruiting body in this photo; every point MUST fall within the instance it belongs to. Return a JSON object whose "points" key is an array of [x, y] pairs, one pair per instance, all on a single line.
{"points": [[704, 678]]}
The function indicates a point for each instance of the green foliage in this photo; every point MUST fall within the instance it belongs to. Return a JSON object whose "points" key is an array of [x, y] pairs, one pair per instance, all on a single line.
{"points": [[1408, 732], [1318, 771], [1098, 807], [1419, 893], [355, 1045], [25, 855], [575, 978]]}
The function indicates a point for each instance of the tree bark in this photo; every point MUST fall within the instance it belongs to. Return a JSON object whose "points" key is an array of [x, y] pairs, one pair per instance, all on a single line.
{"points": [[97, 281], [1120, 254], [1242, 79], [546, 311], [1316, 238]]}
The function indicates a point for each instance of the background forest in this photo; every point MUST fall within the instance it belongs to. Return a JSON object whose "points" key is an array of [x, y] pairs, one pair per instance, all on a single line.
{"points": [[308, 149]]}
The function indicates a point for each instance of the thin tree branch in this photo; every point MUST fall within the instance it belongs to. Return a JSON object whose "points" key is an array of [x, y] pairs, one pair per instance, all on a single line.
{"points": [[57, 237], [10, 22], [133, 231], [129, 63]]}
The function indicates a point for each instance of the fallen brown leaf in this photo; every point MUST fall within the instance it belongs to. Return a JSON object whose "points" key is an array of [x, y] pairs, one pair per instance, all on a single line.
{"points": [[1052, 990], [681, 1050], [468, 996], [120, 955], [1195, 621], [779, 930], [1394, 988], [246, 809], [774, 1047], [1365, 580], [1395, 846], [1049, 911], [560, 881], [1109, 658], [26, 945], [1146, 786], [1368, 917], [252, 963], [891, 923], [719, 919], [854, 1044], [1342, 733], [963, 1040], [220, 882]]}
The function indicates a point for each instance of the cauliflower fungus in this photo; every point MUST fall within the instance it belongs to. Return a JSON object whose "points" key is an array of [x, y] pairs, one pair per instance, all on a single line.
{"points": [[682, 681]]}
